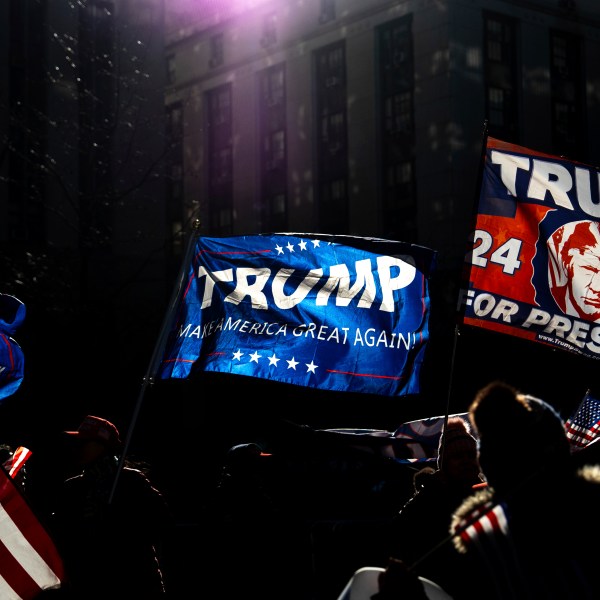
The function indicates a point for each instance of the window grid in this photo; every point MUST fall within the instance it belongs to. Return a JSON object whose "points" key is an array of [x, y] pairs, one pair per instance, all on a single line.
{"points": [[331, 138], [220, 163], [398, 185], [272, 204]]}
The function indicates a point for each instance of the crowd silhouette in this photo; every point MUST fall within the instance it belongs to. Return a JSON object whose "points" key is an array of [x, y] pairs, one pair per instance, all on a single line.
{"points": [[504, 512], [523, 533]]}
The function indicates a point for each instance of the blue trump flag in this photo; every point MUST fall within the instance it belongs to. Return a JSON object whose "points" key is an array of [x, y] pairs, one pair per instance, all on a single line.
{"points": [[12, 361], [338, 313]]}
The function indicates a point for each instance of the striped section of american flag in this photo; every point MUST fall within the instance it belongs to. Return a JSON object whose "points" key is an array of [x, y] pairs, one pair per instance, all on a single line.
{"points": [[14, 464], [583, 426], [29, 560], [488, 519]]}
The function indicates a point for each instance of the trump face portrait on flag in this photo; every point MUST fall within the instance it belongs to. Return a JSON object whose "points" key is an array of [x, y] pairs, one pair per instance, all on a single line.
{"points": [[534, 255], [574, 268]]}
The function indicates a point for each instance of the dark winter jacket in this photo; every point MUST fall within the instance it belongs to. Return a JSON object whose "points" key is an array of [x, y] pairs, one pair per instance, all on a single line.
{"points": [[537, 543]]}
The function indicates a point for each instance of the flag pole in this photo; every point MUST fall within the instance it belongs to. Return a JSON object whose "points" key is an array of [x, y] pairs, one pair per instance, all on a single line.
{"points": [[462, 281], [158, 350], [464, 276]]}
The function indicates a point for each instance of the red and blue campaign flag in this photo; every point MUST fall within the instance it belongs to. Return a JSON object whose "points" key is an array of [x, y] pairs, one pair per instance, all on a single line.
{"points": [[534, 255], [330, 312], [583, 426]]}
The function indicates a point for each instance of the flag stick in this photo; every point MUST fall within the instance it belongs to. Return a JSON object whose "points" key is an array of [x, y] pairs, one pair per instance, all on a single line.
{"points": [[158, 350], [449, 395], [463, 281], [466, 271]]}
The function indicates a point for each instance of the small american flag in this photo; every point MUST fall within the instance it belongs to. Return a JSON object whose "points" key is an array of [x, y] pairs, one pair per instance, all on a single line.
{"points": [[488, 519], [583, 426], [29, 560], [16, 462]]}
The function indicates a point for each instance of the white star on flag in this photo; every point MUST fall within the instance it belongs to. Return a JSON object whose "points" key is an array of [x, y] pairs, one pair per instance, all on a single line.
{"points": [[254, 357], [292, 363], [311, 367], [238, 355], [273, 360]]}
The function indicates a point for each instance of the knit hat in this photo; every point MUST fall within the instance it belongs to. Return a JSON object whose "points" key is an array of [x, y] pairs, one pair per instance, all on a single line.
{"points": [[456, 437], [516, 431]]}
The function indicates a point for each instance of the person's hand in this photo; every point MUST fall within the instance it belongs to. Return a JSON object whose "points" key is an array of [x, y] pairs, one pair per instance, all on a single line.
{"points": [[397, 581]]}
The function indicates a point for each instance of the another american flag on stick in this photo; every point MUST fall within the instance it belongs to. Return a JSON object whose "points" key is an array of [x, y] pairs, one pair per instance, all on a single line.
{"points": [[488, 519], [17, 461], [29, 560], [583, 426]]}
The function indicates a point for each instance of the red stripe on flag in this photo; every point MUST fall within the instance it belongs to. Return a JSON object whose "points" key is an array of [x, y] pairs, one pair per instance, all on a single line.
{"points": [[493, 517], [16, 576], [478, 527], [19, 458], [29, 559]]}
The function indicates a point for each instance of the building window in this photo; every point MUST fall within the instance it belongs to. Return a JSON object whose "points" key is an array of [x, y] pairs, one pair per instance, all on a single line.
{"points": [[398, 113], [217, 51], [567, 96], [269, 33], [220, 162], [396, 93], [175, 122], [272, 137], [171, 69], [501, 77], [327, 11], [275, 150], [331, 138], [273, 86], [496, 106]]}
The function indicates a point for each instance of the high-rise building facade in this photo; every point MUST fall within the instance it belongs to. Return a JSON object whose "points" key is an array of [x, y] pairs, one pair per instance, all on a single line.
{"points": [[367, 118]]}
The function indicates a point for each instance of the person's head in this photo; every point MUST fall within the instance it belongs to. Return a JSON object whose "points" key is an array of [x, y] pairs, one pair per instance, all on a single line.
{"points": [[519, 435], [457, 452], [94, 438], [574, 269], [243, 459]]}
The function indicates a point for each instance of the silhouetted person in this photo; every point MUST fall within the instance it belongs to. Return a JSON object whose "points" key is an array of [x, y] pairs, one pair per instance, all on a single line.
{"points": [[111, 549], [421, 559], [421, 528], [531, 532]]}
